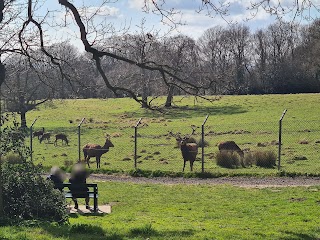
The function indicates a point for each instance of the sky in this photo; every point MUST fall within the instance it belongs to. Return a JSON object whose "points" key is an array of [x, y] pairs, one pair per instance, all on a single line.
{"points": [[123, 16]]}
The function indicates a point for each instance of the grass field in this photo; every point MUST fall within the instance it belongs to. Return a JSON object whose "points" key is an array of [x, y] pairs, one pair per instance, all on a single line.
{"points": [[156, 211], [248, 120]]}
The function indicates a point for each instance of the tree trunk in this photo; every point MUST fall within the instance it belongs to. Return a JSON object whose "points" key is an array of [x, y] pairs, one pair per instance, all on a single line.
{"points": [[23, 119], [1, 192], [2, 77], [169, 97], [144, 90]]}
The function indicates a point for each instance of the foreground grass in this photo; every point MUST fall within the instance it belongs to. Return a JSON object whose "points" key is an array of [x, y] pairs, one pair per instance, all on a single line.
{"points": [[248, 120], [155, 211]]}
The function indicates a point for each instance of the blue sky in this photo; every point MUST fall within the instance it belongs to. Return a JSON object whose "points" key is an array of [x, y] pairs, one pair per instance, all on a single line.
{"points": [[126, 15]]}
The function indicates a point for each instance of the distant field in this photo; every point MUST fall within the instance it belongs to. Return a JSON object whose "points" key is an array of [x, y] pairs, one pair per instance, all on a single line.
{"points": [[248, 120], [189, 212]]}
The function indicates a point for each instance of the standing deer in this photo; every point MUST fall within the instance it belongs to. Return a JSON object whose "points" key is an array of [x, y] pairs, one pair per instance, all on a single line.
{"points": [[230, 146], [95, 150], [189, 150], [38, 133], [62, 137], [44, 136]]}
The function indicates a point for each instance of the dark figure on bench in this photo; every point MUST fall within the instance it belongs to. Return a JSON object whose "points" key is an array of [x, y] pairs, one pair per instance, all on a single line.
{"points": [[57, 176], [78, 177]]}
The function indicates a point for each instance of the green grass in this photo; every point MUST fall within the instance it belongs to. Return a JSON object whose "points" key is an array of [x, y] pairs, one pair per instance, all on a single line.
{"points": [[248, 120], [156, 211]]}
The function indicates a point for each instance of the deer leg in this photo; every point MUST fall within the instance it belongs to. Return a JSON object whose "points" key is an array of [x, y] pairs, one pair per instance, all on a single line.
{"points": [[98, 162], [87, 160], [184, 164], [191, 166]]}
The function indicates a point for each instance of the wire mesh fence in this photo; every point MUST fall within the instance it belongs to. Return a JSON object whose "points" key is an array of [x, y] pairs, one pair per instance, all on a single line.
{"points": [[151, 144]]}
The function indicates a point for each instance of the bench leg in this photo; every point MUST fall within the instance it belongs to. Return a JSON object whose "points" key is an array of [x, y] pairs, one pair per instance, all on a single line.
{"points": [[95, 202]]}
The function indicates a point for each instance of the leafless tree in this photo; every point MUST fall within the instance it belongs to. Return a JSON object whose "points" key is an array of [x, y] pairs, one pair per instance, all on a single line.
{"points": [[21, 88]]}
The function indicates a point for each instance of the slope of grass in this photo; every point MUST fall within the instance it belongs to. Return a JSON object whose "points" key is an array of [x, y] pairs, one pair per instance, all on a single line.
{"points": [[154, 211], [248, 120]]}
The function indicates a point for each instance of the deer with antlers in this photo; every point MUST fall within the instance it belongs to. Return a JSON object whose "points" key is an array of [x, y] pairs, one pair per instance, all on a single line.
{"points": [[188, 149], [95, 150]]}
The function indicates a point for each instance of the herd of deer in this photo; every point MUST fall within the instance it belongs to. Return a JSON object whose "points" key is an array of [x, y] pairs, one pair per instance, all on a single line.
{"points": [[188, 149], [42, 135]]}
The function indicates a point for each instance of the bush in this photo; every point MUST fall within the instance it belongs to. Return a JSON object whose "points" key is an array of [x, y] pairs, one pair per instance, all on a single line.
{"points": [[27, 195], [266, 159], [13, 158], [248, 160], [205, 143], [228, 159]]}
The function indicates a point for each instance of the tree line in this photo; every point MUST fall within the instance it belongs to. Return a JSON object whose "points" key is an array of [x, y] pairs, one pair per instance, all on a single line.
{"points": [[282, 58]]}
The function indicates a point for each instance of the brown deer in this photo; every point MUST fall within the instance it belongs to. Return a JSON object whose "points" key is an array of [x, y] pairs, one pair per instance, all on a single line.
{"points": [[95, 150], [44, 136], [38, 133], [188, 149], [230, 146], [62, 137]]}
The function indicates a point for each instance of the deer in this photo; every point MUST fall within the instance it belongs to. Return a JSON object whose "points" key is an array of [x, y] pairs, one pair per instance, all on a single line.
{"points": [[62, 137], [189, 150], [95, 150], [230, 146], [44, 136], [38, 133]]}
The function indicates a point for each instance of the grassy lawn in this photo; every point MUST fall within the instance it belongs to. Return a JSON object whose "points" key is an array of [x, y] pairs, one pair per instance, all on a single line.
{"points": [[248, 120], [157, 211]]}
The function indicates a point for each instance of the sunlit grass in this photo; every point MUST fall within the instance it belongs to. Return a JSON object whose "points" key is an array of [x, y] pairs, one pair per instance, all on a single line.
{"points": [[247, 120], [155, 211]]}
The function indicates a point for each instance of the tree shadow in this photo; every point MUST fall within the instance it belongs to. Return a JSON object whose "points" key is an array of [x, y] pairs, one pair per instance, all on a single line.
{"points": [[88, 232], [295, 235], [188, 111]]}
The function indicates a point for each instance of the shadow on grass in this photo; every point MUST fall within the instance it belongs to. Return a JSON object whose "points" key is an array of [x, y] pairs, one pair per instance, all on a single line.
{"points": [[294, 235], [88, 232], [189, 111]]}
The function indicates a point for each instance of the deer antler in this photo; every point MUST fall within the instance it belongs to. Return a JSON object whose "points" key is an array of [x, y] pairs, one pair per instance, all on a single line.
{"points": [[175, 135]]}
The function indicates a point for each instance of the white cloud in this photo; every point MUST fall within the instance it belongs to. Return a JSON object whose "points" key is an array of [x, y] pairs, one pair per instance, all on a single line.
{"points": [[100, 11], [136, 4]]}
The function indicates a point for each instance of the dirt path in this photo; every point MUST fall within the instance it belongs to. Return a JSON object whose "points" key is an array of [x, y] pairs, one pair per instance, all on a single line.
{"points": [[249, 182]]}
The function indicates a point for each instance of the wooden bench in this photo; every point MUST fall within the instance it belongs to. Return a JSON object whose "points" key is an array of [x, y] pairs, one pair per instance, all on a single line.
{"points": [[93, 192]]}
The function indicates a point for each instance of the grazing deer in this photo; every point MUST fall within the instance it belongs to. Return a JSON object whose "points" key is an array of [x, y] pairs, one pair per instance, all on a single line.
{"points": [[38, 133], [44, 136], [95, 150], [230, 146], [62, 137], [189, 150]]}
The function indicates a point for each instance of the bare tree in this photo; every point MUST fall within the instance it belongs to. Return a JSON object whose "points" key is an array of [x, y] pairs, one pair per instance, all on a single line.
{"points": [[21, 87]]}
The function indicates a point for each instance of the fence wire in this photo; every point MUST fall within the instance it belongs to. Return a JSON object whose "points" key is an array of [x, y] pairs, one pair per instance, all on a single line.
{"points": [[157, 148]]}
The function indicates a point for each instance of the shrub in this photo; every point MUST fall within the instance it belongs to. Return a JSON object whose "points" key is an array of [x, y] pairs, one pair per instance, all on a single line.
{"points": [[13, 158], [266, 159], [248, 160], [27, 195], [228, 159], [205, 143]]}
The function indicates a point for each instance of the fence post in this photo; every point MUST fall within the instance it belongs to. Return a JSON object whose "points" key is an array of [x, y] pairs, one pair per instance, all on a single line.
{"points": [[280, 138], [31, 133], [202, 143], [135, 142], [79, 142]]}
